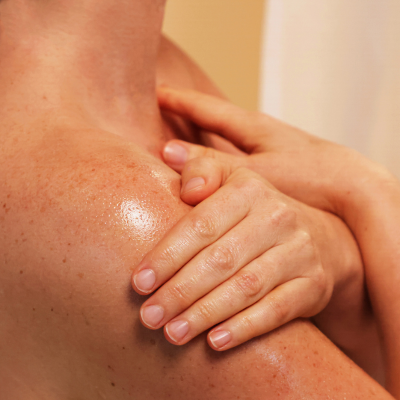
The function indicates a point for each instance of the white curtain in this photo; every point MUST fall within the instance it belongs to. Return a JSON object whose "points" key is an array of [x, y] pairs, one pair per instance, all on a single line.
{"points": [[332, 67]]}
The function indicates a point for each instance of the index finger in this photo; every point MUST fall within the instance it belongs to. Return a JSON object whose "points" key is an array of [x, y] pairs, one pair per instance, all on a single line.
{"points": [[215, 115], [205, 224]]}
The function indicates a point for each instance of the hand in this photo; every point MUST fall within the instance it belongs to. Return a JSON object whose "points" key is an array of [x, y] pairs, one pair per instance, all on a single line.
{"points": [[247, 255], [314, 171], [317, 172]]}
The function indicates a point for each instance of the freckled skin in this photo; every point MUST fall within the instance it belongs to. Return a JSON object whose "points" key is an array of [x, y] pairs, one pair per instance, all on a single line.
{"points": [[79, 209]]}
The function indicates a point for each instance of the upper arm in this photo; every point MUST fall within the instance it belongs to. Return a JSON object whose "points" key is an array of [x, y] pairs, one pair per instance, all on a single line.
{"points": [[74, 227], [294, 362]]}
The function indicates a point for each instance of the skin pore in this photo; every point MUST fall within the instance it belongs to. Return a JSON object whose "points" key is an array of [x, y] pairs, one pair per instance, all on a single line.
{"points": [[83, 198]]}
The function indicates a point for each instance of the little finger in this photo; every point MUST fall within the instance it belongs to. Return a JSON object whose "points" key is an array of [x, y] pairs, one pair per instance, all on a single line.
{"points": [[294, 299]]}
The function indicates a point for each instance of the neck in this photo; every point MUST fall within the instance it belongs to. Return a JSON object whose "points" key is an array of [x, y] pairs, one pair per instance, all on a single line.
{"points": [[98, 56]]}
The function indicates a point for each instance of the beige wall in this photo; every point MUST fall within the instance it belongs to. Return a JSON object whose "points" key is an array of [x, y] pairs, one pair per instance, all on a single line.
{"points": [[332, 68], [224, 37]]}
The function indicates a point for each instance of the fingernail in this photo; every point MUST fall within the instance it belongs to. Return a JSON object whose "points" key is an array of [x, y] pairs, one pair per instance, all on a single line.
{"points": [[145, 280], [177, 330], [175, 154], [194, 183], [152, 315], [220, 339]]}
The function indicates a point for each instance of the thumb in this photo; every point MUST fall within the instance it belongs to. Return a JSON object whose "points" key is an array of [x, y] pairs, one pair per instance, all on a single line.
{"points": [[177, 153], [213, 114], [202, 177]]}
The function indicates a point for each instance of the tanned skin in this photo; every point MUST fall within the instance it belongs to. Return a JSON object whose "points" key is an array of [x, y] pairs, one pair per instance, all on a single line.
{"points": [[84, 195]]}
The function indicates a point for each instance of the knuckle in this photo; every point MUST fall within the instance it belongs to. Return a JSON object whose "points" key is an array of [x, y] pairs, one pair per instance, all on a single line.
{"points": [[320, 280], [200, 165], [306, 246], [209, 153], [245, 172], [247, 180], [283, 215], [206, 311], [180, 294], [280, 311], [305, 238], [254, 185], [221, 258], [207, 162], [249, 327], [165, 258], [204, 226], [308, 250], [192, 165], [249, 283]]}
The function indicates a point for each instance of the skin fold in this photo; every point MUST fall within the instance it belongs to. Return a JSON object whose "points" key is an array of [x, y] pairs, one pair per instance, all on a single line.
{"points": [[84, 196]]}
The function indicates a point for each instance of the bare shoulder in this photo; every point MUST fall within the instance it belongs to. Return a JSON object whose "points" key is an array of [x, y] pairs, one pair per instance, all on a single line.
{"points": [[91, 174], [78, 211], [79, 189]]}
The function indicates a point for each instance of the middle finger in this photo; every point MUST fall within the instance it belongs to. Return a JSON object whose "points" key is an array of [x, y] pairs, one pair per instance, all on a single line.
{"points": [[211, 267]]}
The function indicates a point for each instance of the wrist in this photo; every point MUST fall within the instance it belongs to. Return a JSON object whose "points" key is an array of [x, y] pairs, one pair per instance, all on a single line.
{"points": [[341, 255], [337, 247], [373, 199], [362, 186]]}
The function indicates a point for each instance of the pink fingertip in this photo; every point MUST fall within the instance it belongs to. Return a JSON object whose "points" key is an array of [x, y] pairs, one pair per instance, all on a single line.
{"points": [[175, 154], [152, 315], [177, 330], [220, 339], [194, 183], [145, 280]]}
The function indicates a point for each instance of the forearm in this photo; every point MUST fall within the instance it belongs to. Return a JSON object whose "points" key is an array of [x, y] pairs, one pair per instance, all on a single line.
{"points": [[316, 172], [374, 216], [348, 319]]}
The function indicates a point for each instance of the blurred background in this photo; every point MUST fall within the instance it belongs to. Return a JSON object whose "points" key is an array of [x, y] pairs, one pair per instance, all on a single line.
{"points": [[225, 38], [330, 67]]}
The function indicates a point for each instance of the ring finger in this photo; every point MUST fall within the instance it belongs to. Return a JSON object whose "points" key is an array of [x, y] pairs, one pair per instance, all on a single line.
{"points": [[292, 300], [208, 270], [244, 289]]}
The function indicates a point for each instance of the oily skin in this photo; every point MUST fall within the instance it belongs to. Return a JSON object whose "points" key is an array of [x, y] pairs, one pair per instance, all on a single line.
{"points": [[80, 207], [347, 320], [75, 307]]}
